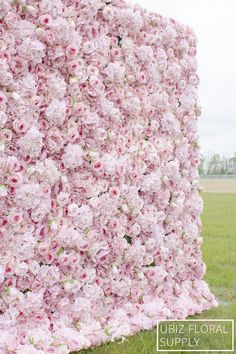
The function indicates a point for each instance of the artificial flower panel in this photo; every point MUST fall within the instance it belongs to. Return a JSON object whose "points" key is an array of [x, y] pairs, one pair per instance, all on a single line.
{"points": [[99, 204]]}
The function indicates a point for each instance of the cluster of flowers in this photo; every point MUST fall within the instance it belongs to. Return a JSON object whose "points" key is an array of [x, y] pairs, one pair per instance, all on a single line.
{"points": [[99, 203]]}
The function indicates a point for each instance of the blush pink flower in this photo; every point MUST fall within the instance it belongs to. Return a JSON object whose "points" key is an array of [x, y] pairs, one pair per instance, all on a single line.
{"points": [[100, 212], [73, 156], [31, 143], [56, 112], [15, 180], [32, 50], [20, 125], [115, 71]]}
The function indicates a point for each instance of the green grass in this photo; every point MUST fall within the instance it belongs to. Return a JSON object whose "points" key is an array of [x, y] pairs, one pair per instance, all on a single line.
{"points": [[219, 253]]}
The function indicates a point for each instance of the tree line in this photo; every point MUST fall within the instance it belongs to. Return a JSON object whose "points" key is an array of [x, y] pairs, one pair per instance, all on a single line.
{"points": [[215, 164]]}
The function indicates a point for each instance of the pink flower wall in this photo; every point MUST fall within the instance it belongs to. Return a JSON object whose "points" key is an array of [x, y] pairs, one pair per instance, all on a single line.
{"points": [[99, 204]]}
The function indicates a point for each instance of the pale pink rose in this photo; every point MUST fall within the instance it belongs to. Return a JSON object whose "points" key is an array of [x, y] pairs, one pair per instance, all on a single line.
{"points": [[28, 196], [98, 167], [6, 134], [72, 51], [45, 20], [15, 180], [11, 19], [28, 349], [62, 198], [145, 53], [84, 217], [73, 156], [91, 119], [56, 86], [56, 112], [170, 124], [101, 134], [31, 143], [74, 68], [46, 6], [73, 210], [55, 139], [173, 72], [115, 72], [89, 47], [20, 125], [108, 13], [39, 213], [32, 50], [130, 20], [74, 340], [14, 218], [114, 192]]}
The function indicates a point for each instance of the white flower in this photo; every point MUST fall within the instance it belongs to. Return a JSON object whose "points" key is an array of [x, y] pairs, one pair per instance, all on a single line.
{"points": [[32, 50], [31, 144], [56, 112], [73, 156], [73, 210], [115, 71]]}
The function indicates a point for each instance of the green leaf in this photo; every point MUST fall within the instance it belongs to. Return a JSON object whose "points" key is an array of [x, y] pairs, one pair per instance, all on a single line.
{"points": [[60, 251], [128, 239], [151, 264], [26, 291]]}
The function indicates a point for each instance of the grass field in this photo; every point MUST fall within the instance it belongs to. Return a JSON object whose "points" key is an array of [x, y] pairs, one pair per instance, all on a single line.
{"points": [[219, 253]]}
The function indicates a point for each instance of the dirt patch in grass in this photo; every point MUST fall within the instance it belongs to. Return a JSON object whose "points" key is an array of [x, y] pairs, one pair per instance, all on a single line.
{"points": [[218, 185]]}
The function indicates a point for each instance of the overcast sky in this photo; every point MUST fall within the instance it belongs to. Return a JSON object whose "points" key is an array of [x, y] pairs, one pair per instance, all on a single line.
{"points": [[215, 26]]}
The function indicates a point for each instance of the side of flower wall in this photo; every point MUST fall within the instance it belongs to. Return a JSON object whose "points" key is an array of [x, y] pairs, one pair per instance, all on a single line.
{"points": [[99, 204]]}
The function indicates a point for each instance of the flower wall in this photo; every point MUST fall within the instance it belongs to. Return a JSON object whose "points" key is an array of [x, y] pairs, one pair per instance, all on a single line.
{"points": [[99, 204]]}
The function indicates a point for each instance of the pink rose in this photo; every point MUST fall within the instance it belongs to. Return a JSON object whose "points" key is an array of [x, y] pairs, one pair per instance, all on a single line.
{"points": [[72, 51], [20, 125], [45, 20], [31, 143], [73, 156], [56, 112], [15, 180], [32, 50], [115, 71]]}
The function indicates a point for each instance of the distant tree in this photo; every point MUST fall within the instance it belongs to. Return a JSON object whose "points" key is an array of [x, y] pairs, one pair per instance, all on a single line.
{"points": [[224, 165], [214, 165], [232, 165], [217, 165], [201, 167]]}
